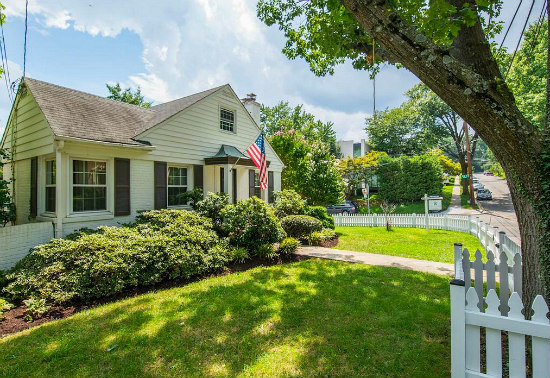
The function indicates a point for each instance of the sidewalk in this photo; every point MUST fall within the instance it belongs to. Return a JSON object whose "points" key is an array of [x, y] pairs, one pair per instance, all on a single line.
{"points": [[379, 260]]}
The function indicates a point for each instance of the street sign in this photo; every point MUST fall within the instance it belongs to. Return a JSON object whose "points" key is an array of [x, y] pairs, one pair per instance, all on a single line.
{"points": [[464, 176], [365, 191]]}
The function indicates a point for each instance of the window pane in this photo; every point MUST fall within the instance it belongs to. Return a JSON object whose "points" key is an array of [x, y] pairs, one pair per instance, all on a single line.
{"points": [[227, 119], [50, 199], [89, 198], [50, 172], [174, 198], [78, 166]]}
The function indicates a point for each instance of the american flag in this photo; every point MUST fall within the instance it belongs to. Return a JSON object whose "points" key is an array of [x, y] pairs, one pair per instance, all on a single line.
{"points": [[257, 153]]}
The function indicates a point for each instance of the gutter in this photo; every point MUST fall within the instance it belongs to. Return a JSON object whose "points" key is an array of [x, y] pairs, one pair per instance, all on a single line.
{"points": [[103, 143]]}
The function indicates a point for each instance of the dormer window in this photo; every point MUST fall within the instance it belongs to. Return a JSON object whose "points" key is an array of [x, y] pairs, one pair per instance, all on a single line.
{"points": [[227, 120]]}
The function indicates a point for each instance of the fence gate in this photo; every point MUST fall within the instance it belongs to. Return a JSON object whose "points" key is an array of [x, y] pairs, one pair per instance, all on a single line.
{"points": [[478, 310]]}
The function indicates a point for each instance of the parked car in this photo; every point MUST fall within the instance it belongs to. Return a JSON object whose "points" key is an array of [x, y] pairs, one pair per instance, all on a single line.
{"points": [[488, 173], [347, 207], [484, 194], [478, 186]]}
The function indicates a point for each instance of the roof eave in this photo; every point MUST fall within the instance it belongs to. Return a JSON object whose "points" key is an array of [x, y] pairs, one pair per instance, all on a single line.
{"points": [[104, 143]]}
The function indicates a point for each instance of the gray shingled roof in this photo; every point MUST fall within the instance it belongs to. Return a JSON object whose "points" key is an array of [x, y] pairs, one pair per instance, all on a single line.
{"points": [[76, 114]]}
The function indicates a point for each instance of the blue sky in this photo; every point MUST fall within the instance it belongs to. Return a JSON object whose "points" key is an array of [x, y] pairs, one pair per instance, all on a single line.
{"points": [[174, 48]]}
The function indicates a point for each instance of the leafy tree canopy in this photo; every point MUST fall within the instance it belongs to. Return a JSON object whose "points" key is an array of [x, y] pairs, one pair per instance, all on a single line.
{"points": [[126, 95], [325, 34], [310, 168], [283, 117], [527, 76]]}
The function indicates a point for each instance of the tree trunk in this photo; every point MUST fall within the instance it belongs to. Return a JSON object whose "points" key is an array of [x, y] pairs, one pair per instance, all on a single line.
{"points": [[467, 78]]}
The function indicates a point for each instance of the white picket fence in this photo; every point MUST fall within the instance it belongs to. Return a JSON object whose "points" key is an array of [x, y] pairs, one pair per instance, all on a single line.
{"points": [[477, 309], [490, 237]]}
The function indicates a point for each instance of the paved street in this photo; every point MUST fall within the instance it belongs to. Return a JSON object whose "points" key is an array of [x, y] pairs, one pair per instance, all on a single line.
{"points": [[500, 211]]}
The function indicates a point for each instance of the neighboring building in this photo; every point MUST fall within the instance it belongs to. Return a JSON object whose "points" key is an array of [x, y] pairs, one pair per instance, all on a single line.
{"points": [[82, 160], [350, 148]]}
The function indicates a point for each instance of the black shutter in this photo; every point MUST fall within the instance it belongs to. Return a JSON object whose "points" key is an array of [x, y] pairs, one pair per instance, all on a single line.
{"points": [[34, 187], [198, 174], [222, 180], [234, 183], [122, 187], [251, 186], [161, 183], [270, 186]]}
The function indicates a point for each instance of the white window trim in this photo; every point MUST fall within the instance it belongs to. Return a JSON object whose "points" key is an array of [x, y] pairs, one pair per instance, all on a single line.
{"points": [[189, 185], [108, 185], [41, 177], [229, 109], [46, 185]]}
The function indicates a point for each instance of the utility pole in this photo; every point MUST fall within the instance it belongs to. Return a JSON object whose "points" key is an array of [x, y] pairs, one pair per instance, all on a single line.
{"points": [[469, 155]]}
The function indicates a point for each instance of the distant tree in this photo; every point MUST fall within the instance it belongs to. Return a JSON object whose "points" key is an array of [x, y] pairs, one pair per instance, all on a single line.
{"points": [[283, 117], [310, 168], [322, 184], [421, 123], [355, 171], [126, 95], [447, 165]]}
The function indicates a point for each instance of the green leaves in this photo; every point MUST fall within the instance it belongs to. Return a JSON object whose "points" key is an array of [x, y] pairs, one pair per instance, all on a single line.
{"points": [[127, 96]]}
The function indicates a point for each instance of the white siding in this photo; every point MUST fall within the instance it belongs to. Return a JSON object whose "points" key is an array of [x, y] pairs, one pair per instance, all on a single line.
{"points": [[16, 241], [22, 190], [195, 134], [33, 134]]}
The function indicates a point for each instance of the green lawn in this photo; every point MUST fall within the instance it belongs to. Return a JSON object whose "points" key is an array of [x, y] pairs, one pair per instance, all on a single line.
{"points": [[417, 243], [308, 319], [415, 207], [465, 202]]}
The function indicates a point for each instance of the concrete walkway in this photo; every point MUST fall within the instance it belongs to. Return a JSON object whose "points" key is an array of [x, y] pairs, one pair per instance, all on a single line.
{"points": [[380, 260]]}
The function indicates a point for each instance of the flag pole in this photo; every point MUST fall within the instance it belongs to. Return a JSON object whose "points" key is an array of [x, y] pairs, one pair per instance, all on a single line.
{"points": [[239, 158]]}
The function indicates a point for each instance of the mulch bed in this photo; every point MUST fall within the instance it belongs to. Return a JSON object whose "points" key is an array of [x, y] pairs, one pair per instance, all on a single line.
{"points": [[14, 319], [330, 243]]}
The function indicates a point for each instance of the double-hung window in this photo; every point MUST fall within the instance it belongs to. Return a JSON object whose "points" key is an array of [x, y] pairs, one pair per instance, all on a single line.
{"points": [[50, 186], [89, 185], [177, 185], [227, 120]]}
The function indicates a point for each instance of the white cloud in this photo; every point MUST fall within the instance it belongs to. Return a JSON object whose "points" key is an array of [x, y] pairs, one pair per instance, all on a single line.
{"points": [[192, 45], [348, 126]]}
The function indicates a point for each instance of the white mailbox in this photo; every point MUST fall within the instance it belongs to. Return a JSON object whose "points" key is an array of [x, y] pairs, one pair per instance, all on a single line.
{"points": [[435, 203]]}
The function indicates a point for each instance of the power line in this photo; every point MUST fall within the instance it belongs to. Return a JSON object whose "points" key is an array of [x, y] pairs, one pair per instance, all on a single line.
{"points": [[4, 56], [520, 37], [25, 43], [539, 24], [510, 25]]}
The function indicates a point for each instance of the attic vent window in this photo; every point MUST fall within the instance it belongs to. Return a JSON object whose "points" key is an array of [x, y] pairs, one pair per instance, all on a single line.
{"points": [[227, 119]]}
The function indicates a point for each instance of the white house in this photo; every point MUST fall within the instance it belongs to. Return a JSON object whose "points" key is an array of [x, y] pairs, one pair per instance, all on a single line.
{"points": [[81, 160], [350, 148]]}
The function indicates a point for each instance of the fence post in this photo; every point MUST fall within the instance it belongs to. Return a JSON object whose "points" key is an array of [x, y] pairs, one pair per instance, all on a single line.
{"points": [[458, 328]]}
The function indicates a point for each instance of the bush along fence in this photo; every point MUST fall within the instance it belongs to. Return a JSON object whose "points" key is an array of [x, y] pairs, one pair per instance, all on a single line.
{"points": [[479, 307], [490, 237]]}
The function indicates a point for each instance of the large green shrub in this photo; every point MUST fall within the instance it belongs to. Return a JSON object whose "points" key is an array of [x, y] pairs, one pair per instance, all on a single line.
{"points": [[251, 223], [211, 207], [320, 212], [406, 179], [289, 202], [163, 244], [300, 226]]}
